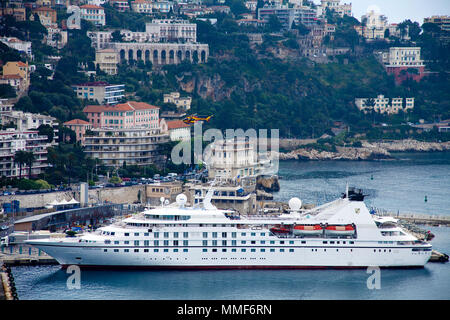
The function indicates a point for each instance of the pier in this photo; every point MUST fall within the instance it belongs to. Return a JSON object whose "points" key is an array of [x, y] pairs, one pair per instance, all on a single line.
{"points": [[21, 255]]}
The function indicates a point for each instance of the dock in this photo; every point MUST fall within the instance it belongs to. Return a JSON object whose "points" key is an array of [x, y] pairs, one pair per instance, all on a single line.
{"points": [[416, 218], [22, 255]]}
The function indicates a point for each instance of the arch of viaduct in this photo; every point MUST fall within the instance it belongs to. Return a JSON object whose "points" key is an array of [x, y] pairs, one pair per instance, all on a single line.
{"points": [[162, 53]]}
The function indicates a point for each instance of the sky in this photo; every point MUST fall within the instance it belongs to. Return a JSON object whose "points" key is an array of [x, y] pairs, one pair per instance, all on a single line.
{"points": [[399, 10]]}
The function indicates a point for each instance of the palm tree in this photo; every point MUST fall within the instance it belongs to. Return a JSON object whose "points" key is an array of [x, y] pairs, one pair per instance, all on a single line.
{"points": [[20, 158], [30, 159]]}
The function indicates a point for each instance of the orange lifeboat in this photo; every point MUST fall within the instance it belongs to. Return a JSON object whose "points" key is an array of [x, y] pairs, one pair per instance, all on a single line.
{"points": [[346, 230], [301, 229]]}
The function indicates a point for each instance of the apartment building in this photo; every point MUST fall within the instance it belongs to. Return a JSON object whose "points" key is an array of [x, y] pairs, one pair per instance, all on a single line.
{"points": [[120, 5], [79, 127], [133, 146], [47, 16], [19, 45], [180, 102], [11, 141], [93, 13], [131, 114], [24, 121], [100, 91], [178, 130], [341, 9], [299, 15], [142, 6], [107, 60], [385, 105], [172, 30]]}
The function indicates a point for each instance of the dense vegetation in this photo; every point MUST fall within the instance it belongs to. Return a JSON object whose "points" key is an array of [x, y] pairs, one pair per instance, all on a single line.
{"points": [[242, 85]]}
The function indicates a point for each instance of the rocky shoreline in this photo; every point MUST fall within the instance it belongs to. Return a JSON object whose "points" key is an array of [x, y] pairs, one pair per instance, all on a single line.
{"points": [[368, 150]]}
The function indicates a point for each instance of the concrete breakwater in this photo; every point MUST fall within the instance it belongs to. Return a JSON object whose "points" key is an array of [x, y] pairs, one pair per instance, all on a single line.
{"points": [[367, 151]]}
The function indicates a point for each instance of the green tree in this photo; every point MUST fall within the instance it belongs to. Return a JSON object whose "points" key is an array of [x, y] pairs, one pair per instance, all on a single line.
{"points": [[20, 158]]}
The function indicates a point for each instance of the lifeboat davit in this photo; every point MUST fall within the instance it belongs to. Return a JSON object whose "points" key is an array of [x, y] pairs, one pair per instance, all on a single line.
{"points": [[300, 230], [280, 230], [347, 230]]}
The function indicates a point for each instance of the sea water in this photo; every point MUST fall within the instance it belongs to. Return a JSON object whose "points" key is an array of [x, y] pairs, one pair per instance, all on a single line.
{"points": [[399, 185]]}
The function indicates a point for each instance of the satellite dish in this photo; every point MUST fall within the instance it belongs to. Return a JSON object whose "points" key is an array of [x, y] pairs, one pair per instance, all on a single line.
{"points": [[166, 202], [181, 199], [295, 204]]}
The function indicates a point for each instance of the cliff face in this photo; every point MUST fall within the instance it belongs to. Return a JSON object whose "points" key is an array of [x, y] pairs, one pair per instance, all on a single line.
{"points": [[368, 151], [267, 184]]}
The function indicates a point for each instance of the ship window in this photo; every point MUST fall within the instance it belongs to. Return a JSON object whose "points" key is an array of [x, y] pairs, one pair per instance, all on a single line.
{"points": [[233, 250], [105, 250], [291, 242], [253, 242], [214, 250], [243, 242], [233, 234], [166, 242], [243, 234], [291, 250], [272, 250], [155, 250], [136, 242], [253, 234], [126, 250], [325, 242], [113, 233], [224, 250], [214, 234], [253, 250], [166, 234], [126, 234], [175, 242], [136, 234], [243, 250], [281, 250], [205, 234], [233, 242], [166, 250], [156, 243], [205, 250], [263, 250], [224, 242], [185, 250], [126, 242], [272, 242], [136, 250], [224, 234], [352, 242], [156, 234], [175, 234], [214, 243], [146, 243], [263, 242], [146, 234], [185, 243], [263, 234], [185, 234], [331, 242], [205, 242], [107, 241], [281, 242], [145, 250], [116, 250], [175, 250], [303, 242]]}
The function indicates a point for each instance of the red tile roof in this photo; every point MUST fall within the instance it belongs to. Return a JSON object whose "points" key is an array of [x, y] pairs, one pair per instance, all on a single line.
{"points": [[90, 6], [128, 106], [76, 121], [176, 124]]}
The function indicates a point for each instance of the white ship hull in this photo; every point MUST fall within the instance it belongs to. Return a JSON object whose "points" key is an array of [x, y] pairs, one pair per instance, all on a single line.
{"points": [[301, 257], [193, 238]]}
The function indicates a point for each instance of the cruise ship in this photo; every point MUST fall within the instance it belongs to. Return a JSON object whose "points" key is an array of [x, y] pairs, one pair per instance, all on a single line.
{"points": [[338, 234]]}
